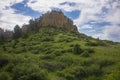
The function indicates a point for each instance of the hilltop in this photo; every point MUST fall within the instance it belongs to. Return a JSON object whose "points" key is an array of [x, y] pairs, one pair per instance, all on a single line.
{"points": [[51, 49], [57, 19], [53, 18]]}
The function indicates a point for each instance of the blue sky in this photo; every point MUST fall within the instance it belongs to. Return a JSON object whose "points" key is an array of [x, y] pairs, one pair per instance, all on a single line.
{"points": [[96, 18]]}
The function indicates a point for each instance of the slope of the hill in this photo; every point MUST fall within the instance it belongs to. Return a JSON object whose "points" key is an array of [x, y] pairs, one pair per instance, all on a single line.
{"points": [[59, 54]]}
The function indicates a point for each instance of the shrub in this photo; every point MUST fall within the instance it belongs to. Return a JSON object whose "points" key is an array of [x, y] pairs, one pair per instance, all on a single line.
{"points": [[19, 50], [69, 50], [48, 56], [4, 48], [85, 54], [29, 72], [47, 39], [35, 51], [65, 59], [9, 67], [58, 52], [104, 62], [96, 43], [3, 61], [71, 45], [74, 73], [48, 65], [5, 76], [22, 44], [89, 50], [94, 69], [77, 49], [48, 51], [115, 75], [93, 78], [87, 62], [90, 43]]}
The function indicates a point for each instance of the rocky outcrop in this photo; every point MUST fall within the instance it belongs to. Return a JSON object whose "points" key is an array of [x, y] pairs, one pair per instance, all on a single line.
{"points": [[58, 19]]}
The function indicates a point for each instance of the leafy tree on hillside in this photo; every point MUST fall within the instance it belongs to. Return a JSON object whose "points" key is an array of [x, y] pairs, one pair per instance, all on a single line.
{"points": [[1, 38], [34, 25], [1, 35], [17, 32]]}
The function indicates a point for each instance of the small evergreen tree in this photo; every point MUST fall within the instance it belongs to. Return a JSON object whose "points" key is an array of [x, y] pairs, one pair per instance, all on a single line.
{"points": [[2, 39], [17, 32], [33, 24], [77, 49]]}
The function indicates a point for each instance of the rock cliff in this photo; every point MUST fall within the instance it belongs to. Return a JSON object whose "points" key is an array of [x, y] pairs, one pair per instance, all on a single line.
{"points": [[58, 19]]}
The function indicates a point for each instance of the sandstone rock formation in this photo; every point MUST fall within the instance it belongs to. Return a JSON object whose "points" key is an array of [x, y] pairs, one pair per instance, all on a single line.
{"points": [[56, 18]]}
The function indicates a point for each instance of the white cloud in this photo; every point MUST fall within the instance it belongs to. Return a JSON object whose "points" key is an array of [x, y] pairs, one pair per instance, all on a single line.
{"points": [[86, 27], [110, 33], [90, 10], [43, 5], [8, 18], [113, 16]]}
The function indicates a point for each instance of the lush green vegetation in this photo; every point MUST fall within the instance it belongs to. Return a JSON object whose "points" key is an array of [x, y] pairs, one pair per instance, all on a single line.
{"points": [[59, 54]]}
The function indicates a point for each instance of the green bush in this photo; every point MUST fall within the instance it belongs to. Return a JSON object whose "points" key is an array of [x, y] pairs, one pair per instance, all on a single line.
{"points": [[74, 73], [93, 78], [94, 70], [29, 72], [3, 61], [51, 66], [58, 52], [47, 39], [90, 50], [19, 50], [5, 76], [104, 62], [115, 75], [90, 43], [48, 56], [96, 43], [77, 49], [85, 54], [4, 48], [35, 51], [9, 67], [65, 60], [87, 62], [22, 44]]}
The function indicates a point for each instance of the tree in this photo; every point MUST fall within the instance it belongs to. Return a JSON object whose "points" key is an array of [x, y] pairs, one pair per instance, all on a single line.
{"points": [[8, 35], [17, 32], [34, 25], [2, 39]]}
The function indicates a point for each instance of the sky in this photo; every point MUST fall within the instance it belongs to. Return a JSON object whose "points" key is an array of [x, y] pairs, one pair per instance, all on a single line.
{"points": [[96, 18]]}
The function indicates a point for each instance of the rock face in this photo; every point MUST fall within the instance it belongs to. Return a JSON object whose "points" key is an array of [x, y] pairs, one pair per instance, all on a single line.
{"points": [[57, 18]]}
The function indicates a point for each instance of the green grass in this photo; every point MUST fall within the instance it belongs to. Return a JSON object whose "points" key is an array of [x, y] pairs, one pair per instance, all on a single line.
{"points": [[49, 55]]}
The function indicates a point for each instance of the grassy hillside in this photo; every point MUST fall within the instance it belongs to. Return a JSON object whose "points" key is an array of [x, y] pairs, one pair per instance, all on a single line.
{"points": [[59, 54]]}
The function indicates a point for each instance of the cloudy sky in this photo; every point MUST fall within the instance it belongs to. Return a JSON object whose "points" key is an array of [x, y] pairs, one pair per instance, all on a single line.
{"points": [[96, 18]]}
